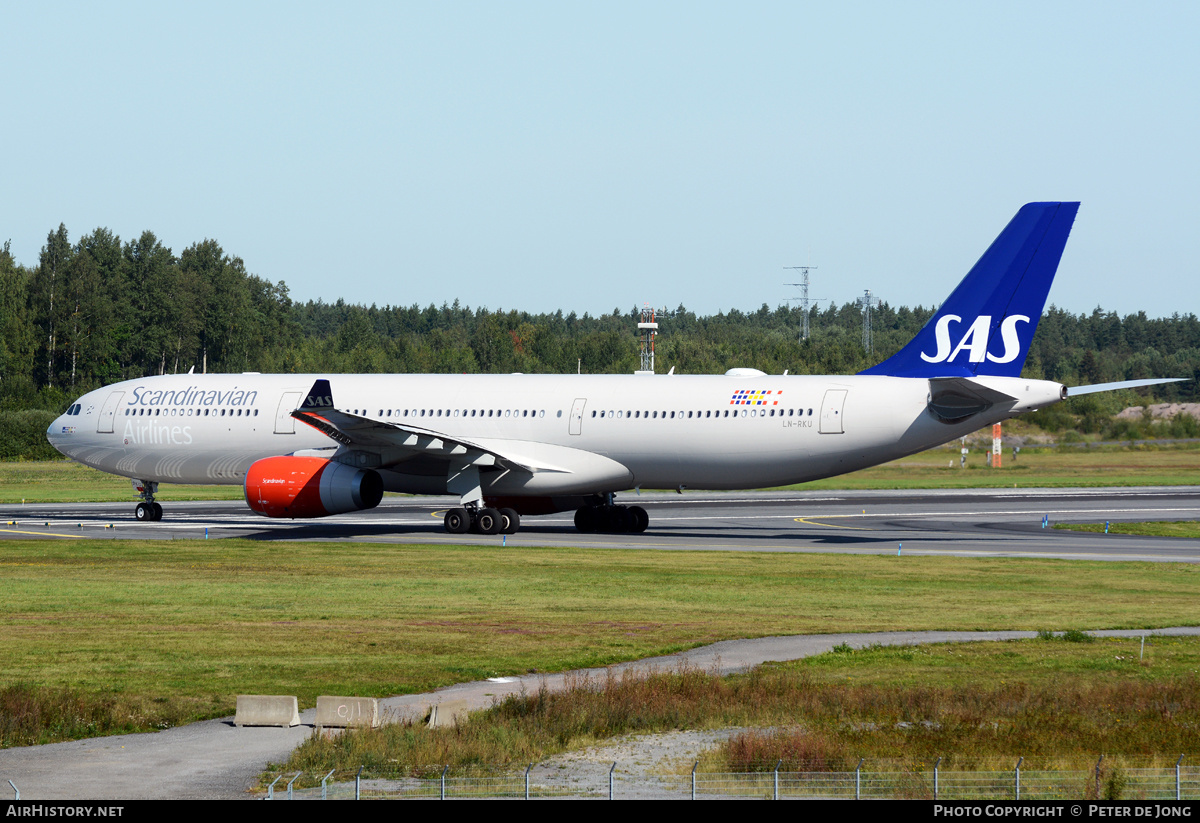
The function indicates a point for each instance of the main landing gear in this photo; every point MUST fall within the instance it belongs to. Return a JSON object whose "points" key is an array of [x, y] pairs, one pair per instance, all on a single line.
{"points": [[147, 510], [608, 517], [473, 518]]}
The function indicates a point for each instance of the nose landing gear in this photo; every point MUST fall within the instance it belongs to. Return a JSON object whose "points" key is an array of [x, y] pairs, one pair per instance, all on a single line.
{"points": [[147, 510]]}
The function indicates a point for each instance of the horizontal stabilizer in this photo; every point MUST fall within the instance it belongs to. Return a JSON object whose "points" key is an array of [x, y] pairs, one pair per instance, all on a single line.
{"points": [[1076, 391]]}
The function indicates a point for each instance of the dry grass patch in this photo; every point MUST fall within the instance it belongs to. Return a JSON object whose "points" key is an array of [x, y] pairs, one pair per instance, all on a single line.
{"points": [[979, 705]]}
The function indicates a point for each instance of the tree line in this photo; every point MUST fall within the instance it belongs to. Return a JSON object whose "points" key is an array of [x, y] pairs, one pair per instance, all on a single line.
{"points": [[99, 310]]}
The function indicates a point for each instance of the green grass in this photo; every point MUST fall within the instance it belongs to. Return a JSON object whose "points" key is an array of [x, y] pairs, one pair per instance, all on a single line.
{"points": [[1160, 528], [64, 481], [1035, 468], [179, 628]]}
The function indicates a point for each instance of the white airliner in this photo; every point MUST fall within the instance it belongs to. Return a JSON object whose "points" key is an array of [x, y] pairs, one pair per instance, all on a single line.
{"points": [[513, 445]]}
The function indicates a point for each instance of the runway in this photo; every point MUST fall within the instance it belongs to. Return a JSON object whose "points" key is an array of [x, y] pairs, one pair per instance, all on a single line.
{"points": [[966, 523]]}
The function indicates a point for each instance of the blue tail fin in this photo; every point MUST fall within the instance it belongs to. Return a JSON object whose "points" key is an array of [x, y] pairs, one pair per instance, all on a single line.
{"points": [[987, 323]]}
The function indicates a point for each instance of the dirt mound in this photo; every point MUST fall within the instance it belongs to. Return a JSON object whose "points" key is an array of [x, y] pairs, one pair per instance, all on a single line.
{"points": [[1160, 411]]}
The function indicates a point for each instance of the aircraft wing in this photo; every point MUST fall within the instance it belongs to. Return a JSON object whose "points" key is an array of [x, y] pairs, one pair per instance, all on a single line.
{"points": [[356, 432]]}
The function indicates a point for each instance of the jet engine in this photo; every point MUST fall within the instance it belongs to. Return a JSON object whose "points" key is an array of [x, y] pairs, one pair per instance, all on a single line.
{"points": [[310, 487]]}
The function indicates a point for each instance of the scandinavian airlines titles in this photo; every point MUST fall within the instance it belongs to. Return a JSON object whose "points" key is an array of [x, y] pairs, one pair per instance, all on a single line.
{"points": [[192, 396]]}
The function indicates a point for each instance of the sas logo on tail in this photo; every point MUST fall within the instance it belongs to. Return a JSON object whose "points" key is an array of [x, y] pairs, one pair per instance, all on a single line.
{"points": [[975, 340]]}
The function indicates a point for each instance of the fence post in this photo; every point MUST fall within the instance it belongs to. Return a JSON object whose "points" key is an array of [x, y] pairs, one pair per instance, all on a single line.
{"points": [[358, 783], [1098, 762], [858, 780], [18, 791], [527, 768], [445, 769], [610, 780], [290, 782], [324, 794], [935, 778], [1177, 794], [1017, 779], [778, 763], [694, 779], [270, 789]]}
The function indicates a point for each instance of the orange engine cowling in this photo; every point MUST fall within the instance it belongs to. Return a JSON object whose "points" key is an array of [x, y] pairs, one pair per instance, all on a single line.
{"points": [[310, 487]]}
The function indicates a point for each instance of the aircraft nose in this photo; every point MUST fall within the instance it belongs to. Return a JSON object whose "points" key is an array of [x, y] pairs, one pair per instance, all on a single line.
{"points": [[63, 426], [54, 433]]}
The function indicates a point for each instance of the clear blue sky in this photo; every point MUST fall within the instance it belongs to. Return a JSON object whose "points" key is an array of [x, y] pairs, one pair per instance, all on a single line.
{"points": [[591, 156]]}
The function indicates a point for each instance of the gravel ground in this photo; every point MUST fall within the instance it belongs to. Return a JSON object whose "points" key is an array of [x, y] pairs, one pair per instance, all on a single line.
{"points": [[648, 766]]}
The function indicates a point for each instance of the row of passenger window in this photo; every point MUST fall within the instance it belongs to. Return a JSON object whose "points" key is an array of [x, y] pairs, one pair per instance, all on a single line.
{"points": [[172, 412], [680, 415], [493, 413], [540, 413]]}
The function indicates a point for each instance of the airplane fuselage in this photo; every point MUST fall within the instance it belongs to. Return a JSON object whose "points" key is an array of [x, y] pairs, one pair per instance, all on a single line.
{"points": [[585, 434]]}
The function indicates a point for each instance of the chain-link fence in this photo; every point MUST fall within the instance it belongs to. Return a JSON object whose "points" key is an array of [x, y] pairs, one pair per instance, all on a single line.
{"points": [[867, 782]]}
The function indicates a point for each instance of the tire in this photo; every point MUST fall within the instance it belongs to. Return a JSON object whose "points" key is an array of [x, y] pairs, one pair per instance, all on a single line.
{"points": [[158, 512], [586, 519], [489, 521], [144, 512], [638, 520], [510, 521], [457, 521], [616, 519]]}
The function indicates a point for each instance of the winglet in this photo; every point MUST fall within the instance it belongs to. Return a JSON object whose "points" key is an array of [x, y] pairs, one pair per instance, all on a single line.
{"points": [[320, 397], [318, 405]]}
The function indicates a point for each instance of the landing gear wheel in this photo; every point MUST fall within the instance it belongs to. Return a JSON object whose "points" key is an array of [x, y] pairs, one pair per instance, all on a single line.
{"points": [[616, 519], [511, 521], [638, 520], [457, 521], [144, 512], [587, 519], [489, 521], [157, 512], [612, 519]]}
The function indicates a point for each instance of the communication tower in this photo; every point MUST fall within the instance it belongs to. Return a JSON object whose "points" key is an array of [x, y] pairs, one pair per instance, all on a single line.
{"points": [[804, 299], [647, 331], [866, 303]]}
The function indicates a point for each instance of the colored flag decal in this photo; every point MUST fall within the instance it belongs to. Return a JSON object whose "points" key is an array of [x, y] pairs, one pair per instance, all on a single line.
{"points": [[752, 397]]}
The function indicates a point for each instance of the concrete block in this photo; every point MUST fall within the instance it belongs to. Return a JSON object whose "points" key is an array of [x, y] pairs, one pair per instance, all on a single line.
{"points": [[266, 710], [342, 712], [448, 713]]}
